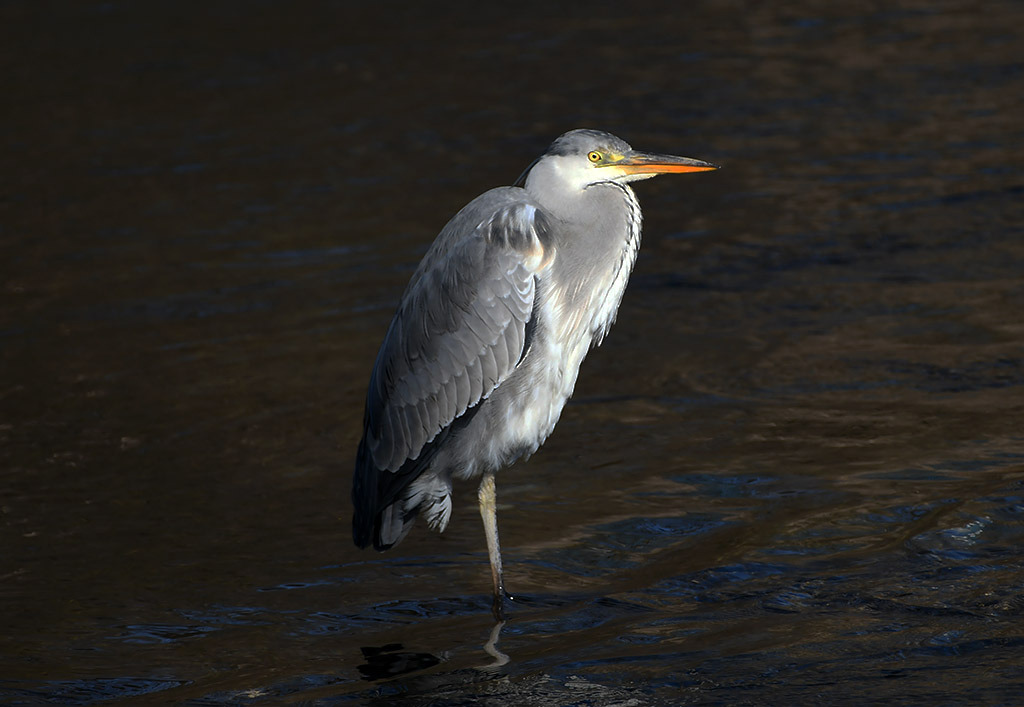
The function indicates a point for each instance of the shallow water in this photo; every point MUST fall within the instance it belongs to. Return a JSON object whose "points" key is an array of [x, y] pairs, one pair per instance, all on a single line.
{"points": [[794, 472]]}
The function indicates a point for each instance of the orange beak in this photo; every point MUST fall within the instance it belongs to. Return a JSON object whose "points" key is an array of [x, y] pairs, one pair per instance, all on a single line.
{"points": [[645, 163]]}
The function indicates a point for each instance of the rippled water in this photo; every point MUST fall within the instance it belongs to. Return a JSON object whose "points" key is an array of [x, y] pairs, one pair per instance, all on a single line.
{"points": [[794, 473]]}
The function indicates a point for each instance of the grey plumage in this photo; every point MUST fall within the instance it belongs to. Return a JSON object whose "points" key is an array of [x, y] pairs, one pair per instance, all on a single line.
{"points": [[454, 339], [486, 344]]}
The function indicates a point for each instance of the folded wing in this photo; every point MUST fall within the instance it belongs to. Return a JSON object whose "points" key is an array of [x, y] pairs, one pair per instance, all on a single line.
{"points": [[462, 327]]}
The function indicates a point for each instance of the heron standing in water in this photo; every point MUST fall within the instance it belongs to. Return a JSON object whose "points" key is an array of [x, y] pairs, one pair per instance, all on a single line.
{"points": [[487, 342]]}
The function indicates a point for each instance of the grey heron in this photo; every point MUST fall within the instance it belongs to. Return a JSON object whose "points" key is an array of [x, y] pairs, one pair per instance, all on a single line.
{"points": [[487, 342]]}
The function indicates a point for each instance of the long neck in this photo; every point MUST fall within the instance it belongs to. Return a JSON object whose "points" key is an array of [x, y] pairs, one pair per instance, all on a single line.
{"points": [[594, 259], [634, 225]]}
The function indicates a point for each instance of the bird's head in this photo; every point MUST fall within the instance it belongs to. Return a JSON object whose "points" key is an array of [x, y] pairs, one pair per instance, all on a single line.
{"points": [[582, 158]]}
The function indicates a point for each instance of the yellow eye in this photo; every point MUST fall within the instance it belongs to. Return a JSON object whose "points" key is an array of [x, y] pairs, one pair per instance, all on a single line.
{"points": [[594, 156]]}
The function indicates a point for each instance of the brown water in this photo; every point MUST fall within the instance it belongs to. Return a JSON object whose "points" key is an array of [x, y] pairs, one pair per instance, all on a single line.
{"points": [[794, 473]]}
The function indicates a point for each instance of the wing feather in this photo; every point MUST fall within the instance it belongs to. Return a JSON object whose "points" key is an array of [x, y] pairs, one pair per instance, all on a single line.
{"points": [[459, 330]]}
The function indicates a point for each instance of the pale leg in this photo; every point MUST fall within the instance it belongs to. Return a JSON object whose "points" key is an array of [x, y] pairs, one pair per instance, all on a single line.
{"points": [[489, 513]]}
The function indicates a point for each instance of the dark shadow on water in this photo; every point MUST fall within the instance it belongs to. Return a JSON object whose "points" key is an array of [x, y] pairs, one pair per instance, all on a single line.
{"points": [[391, 661]]}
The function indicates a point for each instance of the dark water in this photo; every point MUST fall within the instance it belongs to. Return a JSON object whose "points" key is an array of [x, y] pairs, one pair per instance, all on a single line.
{"points": [[794, 473]]}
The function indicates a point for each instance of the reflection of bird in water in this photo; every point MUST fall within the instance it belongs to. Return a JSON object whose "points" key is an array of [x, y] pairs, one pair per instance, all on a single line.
{"points": [[488, 339], [491, 647]]}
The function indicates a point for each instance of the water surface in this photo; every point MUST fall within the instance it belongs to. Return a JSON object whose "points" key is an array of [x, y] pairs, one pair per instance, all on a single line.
{"points": [[793, 473]]}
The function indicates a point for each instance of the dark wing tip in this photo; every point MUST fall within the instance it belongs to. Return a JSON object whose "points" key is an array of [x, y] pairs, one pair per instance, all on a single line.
{"points": [[364, 498]]}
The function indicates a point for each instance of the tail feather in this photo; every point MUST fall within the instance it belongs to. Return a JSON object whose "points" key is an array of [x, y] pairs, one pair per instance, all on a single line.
{"points": [[386, 503], [429, 496], [392, 525]]}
